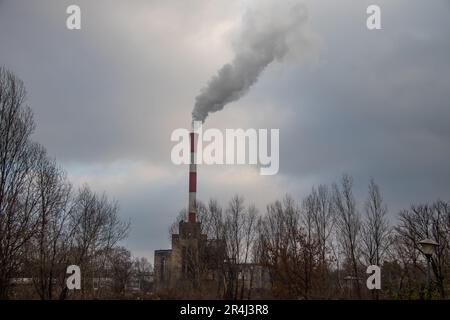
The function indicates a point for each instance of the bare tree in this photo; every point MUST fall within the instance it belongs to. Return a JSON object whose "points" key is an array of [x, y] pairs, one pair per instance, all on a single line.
{"points": [[421, 222], [142, 270], [288, 250], [234, 235], [250, 223], [401, 275], [349, 226], [319, 220], [96, 229], [49, 251], [17, 159], [214, 220], [376, 235], [122, 269]]}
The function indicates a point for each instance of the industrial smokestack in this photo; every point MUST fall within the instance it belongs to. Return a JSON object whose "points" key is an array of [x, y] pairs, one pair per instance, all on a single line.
{"points": [[192, 209]]}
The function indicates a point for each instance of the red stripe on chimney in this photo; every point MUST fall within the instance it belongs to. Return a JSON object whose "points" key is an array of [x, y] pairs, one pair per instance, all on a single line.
{"points": [[192, 142], [192, 181]]}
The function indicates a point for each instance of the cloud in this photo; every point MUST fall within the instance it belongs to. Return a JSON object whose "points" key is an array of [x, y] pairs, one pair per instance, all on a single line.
{"points": [[269, 32], [106, 99]]}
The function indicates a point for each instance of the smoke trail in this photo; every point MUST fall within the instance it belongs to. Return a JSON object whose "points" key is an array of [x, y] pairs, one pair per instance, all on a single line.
{"points": [[268, 32]]}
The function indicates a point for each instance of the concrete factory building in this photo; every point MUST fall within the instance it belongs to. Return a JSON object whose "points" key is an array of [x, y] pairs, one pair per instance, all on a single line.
{"points": [[193, 260]]}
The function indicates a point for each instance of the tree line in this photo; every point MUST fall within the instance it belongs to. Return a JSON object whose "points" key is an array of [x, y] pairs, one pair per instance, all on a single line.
{"points": [[320, 246], [46, 225]]}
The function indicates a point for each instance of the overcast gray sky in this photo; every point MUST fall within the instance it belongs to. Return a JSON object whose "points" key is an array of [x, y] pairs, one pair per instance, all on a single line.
{"points": [[106, 99]]}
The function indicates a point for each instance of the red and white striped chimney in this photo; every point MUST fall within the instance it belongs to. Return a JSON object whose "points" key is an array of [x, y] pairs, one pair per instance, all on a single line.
{"points": [[193, 178]]}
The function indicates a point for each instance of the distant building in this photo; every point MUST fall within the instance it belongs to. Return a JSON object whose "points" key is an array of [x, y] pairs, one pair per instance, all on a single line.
{"points": [[191, 261], [195, 260]]}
